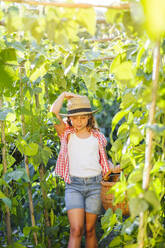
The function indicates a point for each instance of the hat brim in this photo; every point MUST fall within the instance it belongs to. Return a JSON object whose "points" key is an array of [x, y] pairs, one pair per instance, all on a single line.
{"points": [[79, 113]]}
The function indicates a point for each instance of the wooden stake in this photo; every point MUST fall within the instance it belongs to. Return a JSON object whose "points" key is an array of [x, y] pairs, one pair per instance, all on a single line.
{"points": [[42, 173], [104, 39], [149, 140], [97, 59], [149, 134], [71, 5], [4, 162], [26, 160]]}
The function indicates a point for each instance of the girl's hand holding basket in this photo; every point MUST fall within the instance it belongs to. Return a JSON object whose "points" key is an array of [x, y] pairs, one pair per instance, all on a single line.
{"points": [[113, 169]]}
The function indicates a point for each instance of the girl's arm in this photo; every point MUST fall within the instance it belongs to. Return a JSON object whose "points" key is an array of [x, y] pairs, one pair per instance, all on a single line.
{"points": [[55, 109]]}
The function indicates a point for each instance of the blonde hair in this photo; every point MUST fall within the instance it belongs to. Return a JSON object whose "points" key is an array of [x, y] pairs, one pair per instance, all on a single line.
{"points": [[90, 125]]}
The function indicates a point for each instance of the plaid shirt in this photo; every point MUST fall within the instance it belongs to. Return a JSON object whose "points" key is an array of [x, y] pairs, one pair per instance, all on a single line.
{"points": [[62, 165]]}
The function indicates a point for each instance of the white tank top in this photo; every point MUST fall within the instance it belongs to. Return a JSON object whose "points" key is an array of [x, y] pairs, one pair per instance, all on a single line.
{"points": [[83, 156]]}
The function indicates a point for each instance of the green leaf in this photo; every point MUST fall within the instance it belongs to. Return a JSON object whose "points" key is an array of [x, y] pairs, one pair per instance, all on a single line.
{"points": [[127, 162], [151, 198], [137, 205], [2, 195], [136, 175], [60, 77], [52, 217], [118, 213], [26, 230], [45, 154], [139, 56], [31, 149], [7, 202], [115, 63], [131, 246], [116, 242], [90, 81], [50, 31], [128, 229], [124, 71], [4, 183], [113, 15], [1, 14], [11, 117], [123, 129], [87, 18], [107, 222], [8, 55], [61, 37], [5, 199], [37, 28], [158, 167], [8, 76], [18, 45], [135, 135], [14, 175], [127, 100], [68, 63], [39, 69], [17, 245], [117, 118], [130, 118], [154, 11], [13, 20], [117, 145], [51, 22], [10, 160], [3, 113]]}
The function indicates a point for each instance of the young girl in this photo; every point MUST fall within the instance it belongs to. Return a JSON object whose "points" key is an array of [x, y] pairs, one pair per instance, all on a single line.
{"points": [[82, 162]]}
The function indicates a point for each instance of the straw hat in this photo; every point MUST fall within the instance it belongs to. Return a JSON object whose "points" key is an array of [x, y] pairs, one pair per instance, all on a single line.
{"points": [[79, 106]]}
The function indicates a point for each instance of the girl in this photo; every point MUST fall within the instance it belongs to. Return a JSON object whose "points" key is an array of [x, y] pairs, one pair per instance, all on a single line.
{"points": [[81, 162]]}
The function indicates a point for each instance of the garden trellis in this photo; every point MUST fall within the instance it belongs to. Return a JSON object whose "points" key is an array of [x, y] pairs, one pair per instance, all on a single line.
{"points": [[71, 5], [149, 139], [109, 68]]}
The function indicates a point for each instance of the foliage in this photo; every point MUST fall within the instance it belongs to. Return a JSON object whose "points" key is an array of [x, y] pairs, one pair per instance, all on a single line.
{"points": [[129, 147], [45, 54]]}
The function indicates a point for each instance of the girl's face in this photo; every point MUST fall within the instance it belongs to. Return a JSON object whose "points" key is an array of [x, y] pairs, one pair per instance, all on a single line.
{"points": [[79, 121]]}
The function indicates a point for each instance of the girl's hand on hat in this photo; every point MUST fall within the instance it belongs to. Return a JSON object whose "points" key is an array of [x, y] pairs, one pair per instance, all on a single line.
{"points": [[69, 95]]}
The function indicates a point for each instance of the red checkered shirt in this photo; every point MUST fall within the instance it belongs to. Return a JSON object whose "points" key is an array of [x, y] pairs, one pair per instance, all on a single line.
{"points": [[62, 165]]}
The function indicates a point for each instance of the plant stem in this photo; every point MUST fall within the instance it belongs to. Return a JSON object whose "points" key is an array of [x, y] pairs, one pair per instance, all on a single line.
{"points": [[26, 160], [149, 140], [4, 162], [42, 173]]}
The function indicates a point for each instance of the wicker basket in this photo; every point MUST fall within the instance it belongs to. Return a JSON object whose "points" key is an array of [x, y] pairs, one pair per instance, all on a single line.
{"points": [[107, 199]]}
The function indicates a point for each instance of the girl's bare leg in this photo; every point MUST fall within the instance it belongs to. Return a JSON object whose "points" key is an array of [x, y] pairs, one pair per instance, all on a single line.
{"points": [[91, 240], [76, 220]]}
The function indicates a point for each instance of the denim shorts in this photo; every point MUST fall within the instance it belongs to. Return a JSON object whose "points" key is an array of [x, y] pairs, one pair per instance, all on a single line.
{"points": [[84, 193]]}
